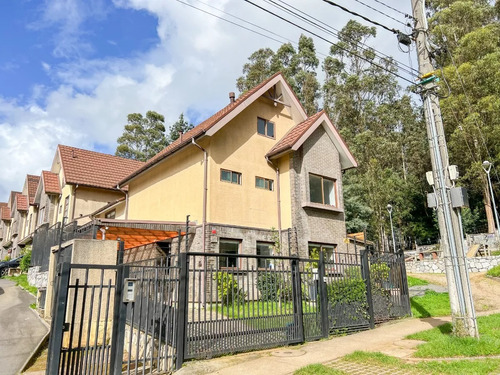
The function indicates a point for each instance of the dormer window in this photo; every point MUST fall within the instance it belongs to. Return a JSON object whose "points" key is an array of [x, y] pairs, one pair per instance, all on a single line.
{"points": [[322, 190], [265, 127]]}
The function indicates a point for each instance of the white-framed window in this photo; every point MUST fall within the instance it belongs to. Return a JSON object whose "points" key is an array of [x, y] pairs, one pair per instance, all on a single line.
{"points": [[230, 176], [265, 127], [264, 183], [230, 247], [66, 207], [322, 190]]}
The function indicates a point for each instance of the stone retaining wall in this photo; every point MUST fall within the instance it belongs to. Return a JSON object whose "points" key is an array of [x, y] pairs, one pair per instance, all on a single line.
{"points": [[37, 278], [477, 264]]}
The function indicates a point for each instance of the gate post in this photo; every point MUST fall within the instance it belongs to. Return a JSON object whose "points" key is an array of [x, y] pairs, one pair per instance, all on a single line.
{"points": [[57, 327], [323, 295], [297, 299], [182, 310], [404, 280], [365, 272]]}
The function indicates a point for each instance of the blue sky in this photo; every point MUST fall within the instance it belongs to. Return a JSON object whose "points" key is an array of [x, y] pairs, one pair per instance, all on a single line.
{"points": [[71, 70]]}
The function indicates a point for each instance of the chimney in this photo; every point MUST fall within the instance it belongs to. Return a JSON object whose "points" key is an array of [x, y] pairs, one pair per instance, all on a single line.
{"points": [[232, 97], [180, 136]]}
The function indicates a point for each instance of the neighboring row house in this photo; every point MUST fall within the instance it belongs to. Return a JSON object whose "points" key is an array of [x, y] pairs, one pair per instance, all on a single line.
{"points": [[258, 166]]}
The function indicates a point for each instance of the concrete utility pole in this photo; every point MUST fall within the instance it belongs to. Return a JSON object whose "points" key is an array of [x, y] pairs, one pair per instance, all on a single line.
{"points": [[462, 308]]}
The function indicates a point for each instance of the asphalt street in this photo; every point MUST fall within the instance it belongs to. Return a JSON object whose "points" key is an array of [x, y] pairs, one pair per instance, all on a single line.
{"points": [[20, 328]]}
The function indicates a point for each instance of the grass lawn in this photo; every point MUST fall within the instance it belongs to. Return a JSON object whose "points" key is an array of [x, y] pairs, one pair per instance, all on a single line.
{"points": [[22, 281], [318, 369], [414, 281], [430, 304], [440, 342], [495, 271]]}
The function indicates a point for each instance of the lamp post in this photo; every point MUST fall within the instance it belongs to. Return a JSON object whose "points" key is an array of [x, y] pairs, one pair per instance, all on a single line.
{"points": [[487, 167], [389, 209]]}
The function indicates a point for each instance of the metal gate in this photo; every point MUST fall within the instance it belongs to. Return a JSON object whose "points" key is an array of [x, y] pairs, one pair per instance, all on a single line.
{"points": [[115, 319]]}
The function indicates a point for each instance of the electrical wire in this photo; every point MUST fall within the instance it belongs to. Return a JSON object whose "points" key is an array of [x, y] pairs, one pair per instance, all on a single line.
{"points": [[396, 10], [384, 14], [327, 28], [394, 31], [330, 42]]}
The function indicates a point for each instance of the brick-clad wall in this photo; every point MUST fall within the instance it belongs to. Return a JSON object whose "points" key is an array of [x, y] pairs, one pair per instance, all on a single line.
{"points": [[317, 155]]}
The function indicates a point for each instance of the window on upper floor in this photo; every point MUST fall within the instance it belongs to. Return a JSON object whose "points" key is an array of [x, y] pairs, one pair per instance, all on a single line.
{"points": [[66, 207], [110, 214], [264, 183], [322, 190], [230, 176], [265, 127]]}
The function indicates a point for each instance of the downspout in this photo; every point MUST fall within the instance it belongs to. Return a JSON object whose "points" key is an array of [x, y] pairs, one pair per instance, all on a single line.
{"points": [[126, 200], [205, 190], [277, 194]]}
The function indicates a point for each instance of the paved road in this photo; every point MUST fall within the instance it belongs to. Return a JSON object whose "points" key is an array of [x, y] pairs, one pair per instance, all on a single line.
{"points": [[20, 329]]}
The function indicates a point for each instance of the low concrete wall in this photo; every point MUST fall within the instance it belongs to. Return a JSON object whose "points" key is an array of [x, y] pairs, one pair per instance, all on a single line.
{"points": [[36, 278], [477, 264]]}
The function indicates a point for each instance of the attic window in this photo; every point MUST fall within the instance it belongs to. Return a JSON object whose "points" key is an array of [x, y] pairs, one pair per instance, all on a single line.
{"points": [[265, 128], [110, 214]]}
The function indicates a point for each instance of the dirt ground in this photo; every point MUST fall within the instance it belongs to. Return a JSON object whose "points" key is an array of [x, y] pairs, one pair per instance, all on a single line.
{"points": [[485, 290]]}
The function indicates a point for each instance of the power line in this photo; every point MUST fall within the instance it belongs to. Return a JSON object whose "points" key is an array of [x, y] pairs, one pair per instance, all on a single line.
{"points": [[328, 41], [384, 14], [396, 10], [394, 31], [325, 27]]}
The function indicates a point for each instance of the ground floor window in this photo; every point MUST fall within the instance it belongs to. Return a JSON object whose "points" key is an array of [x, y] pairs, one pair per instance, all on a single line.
{"points": [[328, 250], [264, 248], [227, 246]]}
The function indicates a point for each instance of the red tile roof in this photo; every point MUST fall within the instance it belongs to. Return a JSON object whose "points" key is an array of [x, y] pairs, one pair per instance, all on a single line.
{"points": [[21, 202], [95, 169], [13, 196], [51, 183], [293, 135], [198, 130], [5, 213], [32, 186]]}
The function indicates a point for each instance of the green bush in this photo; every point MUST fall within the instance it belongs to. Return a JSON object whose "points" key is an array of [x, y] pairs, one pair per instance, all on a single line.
{"points": [[495, 271], [7, 258], [25, 262], [228, 290], [272, 287]]}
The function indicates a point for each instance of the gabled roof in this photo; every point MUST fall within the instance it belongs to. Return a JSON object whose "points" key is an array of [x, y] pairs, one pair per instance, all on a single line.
{"points": [[21, 202], [95, 169], [5, 213], [211, 125], [297, 135], [50, 183], [32, 186], [12, 198]]}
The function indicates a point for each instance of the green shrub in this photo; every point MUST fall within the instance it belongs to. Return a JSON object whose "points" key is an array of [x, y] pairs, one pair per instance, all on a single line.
{"points": [[24, 265], [272, 287], [228, 290], [495, 271], [7, 258]]}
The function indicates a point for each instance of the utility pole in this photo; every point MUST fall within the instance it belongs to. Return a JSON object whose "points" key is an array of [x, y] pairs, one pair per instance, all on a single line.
{"points": [[457, 276]]}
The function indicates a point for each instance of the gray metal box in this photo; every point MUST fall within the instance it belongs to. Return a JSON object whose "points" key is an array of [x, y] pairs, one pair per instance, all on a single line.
{"points": [[431, 200], [459, 197]]}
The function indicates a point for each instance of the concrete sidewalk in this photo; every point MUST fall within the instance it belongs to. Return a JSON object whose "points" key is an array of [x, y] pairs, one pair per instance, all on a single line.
{"points": [[388, 338]]}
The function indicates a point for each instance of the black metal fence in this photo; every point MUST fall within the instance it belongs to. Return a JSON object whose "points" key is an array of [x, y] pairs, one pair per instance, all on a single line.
{"points": [[192, 305]]}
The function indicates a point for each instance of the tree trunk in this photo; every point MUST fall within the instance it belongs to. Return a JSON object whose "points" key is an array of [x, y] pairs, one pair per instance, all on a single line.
{"points": [[487, 207]]}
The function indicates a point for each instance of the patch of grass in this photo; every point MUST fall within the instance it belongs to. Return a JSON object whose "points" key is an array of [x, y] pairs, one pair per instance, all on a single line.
{"points": [[495, 253], [22, 281], [440, 342], [479, 367], [430, 304], [495, 271], [414, 281], [318, 369]]}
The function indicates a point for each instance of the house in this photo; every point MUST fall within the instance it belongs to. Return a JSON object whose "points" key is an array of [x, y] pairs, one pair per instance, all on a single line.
{"points": [[5, 220], [257, 164], [7, 226]]}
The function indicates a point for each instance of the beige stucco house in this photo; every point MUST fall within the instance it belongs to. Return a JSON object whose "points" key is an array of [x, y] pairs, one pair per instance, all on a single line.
{"points": [[257, 164]]}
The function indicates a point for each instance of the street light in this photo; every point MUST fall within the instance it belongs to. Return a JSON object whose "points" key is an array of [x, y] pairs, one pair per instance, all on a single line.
{"points": [[389, 209], [487, 167]]}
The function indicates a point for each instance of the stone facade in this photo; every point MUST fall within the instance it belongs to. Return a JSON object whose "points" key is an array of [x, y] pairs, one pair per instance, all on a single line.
{"points": [[36, 278], [478, 264], [315, 222]]}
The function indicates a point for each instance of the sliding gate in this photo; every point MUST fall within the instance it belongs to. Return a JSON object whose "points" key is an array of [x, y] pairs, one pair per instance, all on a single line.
{"points": [[115, 319]]}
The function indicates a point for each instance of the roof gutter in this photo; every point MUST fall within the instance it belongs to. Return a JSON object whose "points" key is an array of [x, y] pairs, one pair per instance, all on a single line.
{"points": [[126, 200]]}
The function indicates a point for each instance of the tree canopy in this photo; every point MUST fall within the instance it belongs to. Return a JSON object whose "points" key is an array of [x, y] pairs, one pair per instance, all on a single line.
{"points": [[143, 137], [180, 126]]}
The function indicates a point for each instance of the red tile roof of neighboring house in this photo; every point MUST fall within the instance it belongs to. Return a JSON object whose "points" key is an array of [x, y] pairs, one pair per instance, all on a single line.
{"points": [[293, 135], [5, 213], [199, 129], [32, 186], [21, 202], [95, 169], [51, 183], [13, 196]]}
